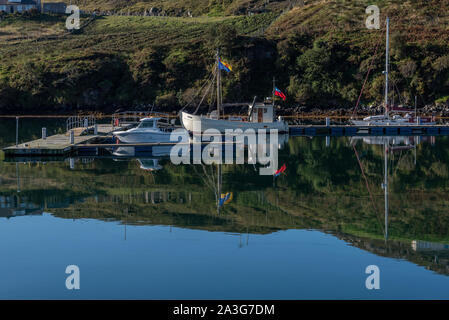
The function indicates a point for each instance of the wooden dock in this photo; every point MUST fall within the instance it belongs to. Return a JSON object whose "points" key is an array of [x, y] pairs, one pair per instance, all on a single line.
{"points": [[349, 130], [86, 142], [60, 144]]}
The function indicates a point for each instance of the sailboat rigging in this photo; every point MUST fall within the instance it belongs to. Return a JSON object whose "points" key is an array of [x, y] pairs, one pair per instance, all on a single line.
{"points": [[260, 115], [396, 119]]}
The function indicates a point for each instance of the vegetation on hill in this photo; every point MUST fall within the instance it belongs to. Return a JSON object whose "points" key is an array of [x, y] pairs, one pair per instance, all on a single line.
{"points": [[320, 52], [183, 7]]}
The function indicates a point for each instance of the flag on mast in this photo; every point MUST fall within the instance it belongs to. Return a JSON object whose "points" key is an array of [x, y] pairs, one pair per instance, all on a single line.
{"points": [[225, 198], [224, 65], [279, 93], [280, 171]]}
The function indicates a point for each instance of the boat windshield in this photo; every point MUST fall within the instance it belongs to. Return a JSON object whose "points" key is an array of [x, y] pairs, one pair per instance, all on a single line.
{"points": [[147, 124]]}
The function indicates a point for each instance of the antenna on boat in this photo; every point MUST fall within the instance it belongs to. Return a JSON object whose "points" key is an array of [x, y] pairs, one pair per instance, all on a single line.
{"points": [[252, 108], [387, 68]]}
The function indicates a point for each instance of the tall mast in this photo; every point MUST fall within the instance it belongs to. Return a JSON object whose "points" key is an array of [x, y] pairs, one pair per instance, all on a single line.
{"points": [[387, 66], [274, 89], [218, 84]]}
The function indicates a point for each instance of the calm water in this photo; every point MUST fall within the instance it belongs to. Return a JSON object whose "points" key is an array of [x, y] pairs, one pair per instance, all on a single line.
{"points": [[147, 229]]}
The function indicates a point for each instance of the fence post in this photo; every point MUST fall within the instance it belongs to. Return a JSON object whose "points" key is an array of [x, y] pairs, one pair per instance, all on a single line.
{"points": [[72, 137], [95, 129], [44, 133]]}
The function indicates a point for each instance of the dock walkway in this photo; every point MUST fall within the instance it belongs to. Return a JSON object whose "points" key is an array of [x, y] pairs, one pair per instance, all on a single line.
{"points": [[59, 144], [86, 141], [350, 130]]}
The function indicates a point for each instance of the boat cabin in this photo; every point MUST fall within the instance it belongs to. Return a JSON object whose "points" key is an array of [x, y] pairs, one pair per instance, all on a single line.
{"points": [[148, 123], [262, 112]]}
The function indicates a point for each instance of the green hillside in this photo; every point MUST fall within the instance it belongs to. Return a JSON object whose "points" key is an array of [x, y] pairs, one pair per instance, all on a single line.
{"points": [[319, 52], [182, 7]]}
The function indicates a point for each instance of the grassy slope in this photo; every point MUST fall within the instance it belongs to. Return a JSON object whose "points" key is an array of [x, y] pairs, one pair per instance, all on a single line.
{"points": [[419, 39], [180, 7], [420, 21], [43, 65]]}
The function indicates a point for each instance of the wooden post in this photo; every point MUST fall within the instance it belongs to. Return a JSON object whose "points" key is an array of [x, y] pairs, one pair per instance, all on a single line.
{"points": [[416, 109], [17, 131]]}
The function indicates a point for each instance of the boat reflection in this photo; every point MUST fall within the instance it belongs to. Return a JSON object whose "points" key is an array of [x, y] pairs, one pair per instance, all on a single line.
{"points": [[390, 145], [156, 151], [149, 164], [394, 140]]}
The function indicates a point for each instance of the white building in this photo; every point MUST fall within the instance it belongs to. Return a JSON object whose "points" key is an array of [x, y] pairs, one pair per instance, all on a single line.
{"points": [[12, 6]]}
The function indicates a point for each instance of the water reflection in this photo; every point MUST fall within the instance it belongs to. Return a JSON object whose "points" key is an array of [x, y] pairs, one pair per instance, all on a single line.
{"points": [[336, 189]]}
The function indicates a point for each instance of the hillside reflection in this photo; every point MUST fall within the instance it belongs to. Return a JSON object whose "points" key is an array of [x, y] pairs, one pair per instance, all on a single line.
{"points": [[337, 188]]}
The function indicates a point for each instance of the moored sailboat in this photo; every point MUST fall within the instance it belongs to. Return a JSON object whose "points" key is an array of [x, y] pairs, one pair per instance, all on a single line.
{"points": [[260, 115], [392, 116]]}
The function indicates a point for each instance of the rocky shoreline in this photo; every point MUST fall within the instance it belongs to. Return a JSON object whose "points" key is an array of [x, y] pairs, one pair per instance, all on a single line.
{"points": [[429, 110], [306, 111]]}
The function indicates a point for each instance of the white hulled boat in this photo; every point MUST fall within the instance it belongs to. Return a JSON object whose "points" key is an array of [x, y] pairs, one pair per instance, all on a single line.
{"points": [[149, 130], [260, 115]]}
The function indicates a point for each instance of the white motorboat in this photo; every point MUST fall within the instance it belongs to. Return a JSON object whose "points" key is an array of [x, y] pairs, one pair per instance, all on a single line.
{"points": [[409, 119], [260, 115], [150, 130]]}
